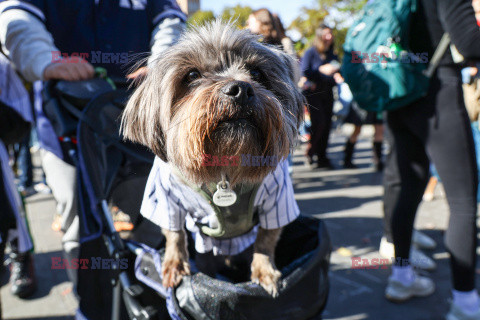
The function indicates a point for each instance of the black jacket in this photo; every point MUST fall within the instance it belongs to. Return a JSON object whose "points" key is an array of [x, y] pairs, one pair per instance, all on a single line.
{"points": [[13, 128], [435, 17]]}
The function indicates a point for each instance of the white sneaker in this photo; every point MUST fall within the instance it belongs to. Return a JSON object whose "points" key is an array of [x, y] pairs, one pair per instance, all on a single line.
{"points": [[387, 250], [396, 291], [456, 313], [427, 197], [417, 258], [42, 188], [420, 260], [422, 241]]}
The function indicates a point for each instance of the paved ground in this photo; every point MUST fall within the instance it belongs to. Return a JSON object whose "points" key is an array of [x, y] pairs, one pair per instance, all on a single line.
{"points": [[350, 203]]}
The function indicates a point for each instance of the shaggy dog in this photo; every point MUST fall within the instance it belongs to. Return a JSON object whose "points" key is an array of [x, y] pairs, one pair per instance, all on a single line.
{"points": [[222, 93]]}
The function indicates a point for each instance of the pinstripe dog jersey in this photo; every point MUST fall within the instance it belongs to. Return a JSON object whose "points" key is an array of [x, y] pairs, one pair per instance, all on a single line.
{"points": [[171, 204]]}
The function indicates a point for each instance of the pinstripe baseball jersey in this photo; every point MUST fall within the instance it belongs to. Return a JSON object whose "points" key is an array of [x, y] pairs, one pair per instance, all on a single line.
{"points": [[173, 205]]}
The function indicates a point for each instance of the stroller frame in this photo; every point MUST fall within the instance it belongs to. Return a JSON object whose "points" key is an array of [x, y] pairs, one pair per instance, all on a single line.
{"points": [[122, 286]]}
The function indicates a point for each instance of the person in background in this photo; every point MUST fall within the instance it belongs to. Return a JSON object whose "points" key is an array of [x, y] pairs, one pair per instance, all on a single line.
{"points": [[287, 43], [31, 31], [371, 119], [261, 22], [429, 193], [476, 8], [25, 167], [436, 127], [471, 94], [358, 118], [270, 27], [15, 123], [318, 66]]}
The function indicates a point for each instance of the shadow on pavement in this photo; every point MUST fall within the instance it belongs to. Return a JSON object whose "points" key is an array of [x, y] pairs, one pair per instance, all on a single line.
{"points": [[359, 293]]}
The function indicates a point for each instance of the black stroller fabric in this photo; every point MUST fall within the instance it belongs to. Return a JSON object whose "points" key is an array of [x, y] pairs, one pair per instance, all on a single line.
{"points": [[302, 256], [109, 167], [113, 170], [65, 100]]}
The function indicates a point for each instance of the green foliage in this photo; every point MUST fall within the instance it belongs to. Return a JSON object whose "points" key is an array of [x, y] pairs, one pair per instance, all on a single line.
{"points": [[308, 21], [237, 14], [351, 6], [340, 14], [339, 36], [201, 17]]}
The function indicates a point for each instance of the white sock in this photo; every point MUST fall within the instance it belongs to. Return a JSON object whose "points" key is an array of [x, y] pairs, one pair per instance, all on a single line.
{"points": [[404, 275], [468, 301]]}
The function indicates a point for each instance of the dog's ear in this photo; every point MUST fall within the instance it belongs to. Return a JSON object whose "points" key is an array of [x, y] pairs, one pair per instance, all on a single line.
{"points": [[141, 118]]}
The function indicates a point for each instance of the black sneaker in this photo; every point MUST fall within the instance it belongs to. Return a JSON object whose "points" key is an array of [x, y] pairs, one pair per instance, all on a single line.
{"points": [[379, 166], [325, 164], [349, 165], [22, 275]]}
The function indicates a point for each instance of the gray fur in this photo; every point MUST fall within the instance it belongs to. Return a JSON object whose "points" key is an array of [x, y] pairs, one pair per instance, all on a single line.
{"points": [[181, 122]]}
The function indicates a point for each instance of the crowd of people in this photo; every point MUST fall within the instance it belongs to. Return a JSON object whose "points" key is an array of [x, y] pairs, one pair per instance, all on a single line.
{"points": [[434, 129]]}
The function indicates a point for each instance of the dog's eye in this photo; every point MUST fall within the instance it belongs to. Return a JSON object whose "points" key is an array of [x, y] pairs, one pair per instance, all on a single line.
{"points": [[255, 74], [192, 76]]}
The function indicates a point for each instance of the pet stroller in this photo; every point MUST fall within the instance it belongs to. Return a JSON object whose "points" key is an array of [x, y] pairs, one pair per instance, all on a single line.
{"points": [[123, 277]]}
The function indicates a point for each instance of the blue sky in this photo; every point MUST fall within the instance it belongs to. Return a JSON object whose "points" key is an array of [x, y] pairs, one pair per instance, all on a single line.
{"points": [[287, 9]]}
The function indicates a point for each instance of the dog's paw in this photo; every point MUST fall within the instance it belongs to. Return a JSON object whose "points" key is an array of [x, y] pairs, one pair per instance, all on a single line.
{"points": [[173, 272], [265, 274]]}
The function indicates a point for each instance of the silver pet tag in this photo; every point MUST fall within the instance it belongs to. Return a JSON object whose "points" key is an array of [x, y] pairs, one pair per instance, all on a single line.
{"points": [[224, 196]]}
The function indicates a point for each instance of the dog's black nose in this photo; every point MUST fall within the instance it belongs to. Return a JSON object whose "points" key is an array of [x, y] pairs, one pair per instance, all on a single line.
{"points": [[240, 91]]}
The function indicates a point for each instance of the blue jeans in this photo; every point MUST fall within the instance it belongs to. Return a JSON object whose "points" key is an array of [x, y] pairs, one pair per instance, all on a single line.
{"points": [[24, 161], [476, 139]]}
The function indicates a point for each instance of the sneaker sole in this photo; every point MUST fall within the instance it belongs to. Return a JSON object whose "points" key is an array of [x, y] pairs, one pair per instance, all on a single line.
{"points": [[413, 295], [423, 268], [423, 247], [450, 317]]}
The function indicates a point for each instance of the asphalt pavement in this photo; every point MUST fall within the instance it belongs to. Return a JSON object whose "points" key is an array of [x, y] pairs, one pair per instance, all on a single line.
{"points": [[349, 201]]}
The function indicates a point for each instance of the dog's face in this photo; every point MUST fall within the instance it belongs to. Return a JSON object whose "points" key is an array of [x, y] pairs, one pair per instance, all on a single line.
{"points": [[219, 92]]}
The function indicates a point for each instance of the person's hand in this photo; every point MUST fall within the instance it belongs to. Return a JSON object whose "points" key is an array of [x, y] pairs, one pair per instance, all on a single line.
{"points": [[328, 69], [301, 82], [473, 71], [138, 74], [304, 84], [69, 71], [338, 78]]}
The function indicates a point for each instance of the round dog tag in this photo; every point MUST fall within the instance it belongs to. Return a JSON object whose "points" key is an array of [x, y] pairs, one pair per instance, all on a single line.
{"points": [[224, 196]]}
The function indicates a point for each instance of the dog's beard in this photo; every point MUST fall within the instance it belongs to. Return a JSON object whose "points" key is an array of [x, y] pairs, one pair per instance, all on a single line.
{"points": [[205, 123]]}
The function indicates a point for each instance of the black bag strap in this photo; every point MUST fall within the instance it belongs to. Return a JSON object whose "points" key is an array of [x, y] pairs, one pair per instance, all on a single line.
{"points": [[437, 55]]}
